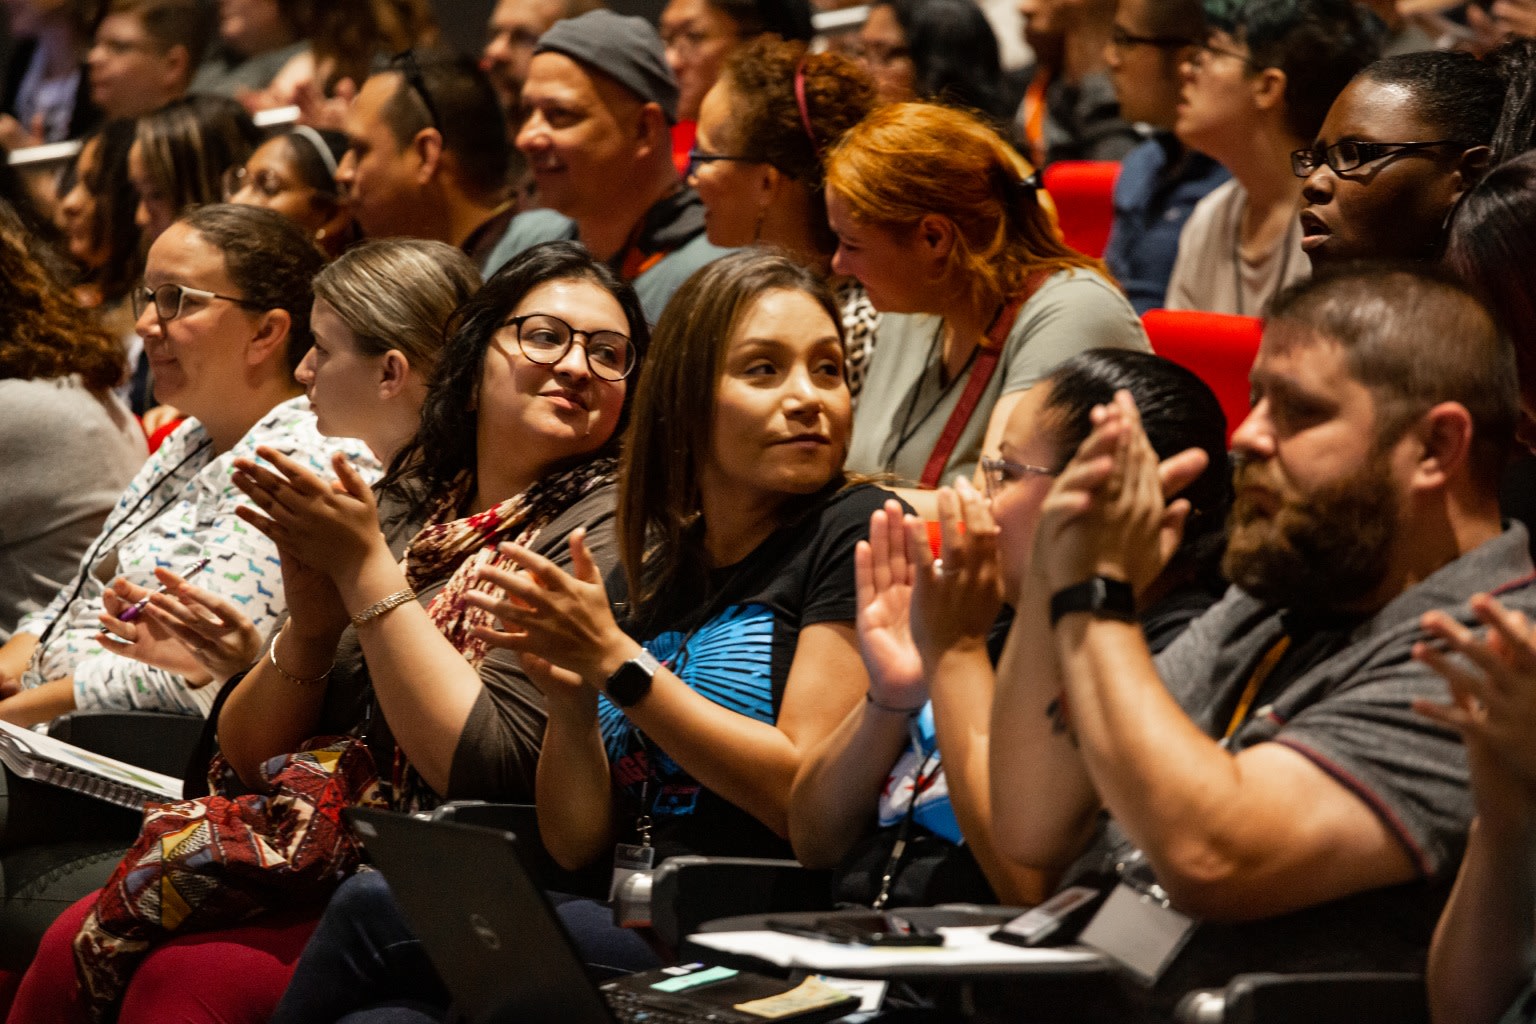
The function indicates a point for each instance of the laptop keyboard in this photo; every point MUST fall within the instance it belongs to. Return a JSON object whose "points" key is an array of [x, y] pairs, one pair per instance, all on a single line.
{"points": [[631, 1008]]}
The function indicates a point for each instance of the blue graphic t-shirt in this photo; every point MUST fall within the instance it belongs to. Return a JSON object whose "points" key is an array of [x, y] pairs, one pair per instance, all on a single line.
{"points": [[735, 646]]}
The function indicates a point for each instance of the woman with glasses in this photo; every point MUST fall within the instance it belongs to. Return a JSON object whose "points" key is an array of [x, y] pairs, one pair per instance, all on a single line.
{"points": [[1401, 145], [224, 313], [295, 174], [757, 165], [939, 218], [916, 751], [1256, 90], [701, 34], [386, 637]]}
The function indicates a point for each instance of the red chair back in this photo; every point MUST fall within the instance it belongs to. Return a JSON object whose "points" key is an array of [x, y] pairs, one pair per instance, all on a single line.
{"points": [[1219, 348], [1084, 191]]}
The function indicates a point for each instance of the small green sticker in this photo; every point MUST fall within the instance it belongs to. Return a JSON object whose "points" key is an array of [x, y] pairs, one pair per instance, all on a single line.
{"points": [[696, 978]]}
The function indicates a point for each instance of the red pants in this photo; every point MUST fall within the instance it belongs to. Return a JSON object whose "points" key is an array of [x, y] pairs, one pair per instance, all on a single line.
{"points": [[233, 976]]}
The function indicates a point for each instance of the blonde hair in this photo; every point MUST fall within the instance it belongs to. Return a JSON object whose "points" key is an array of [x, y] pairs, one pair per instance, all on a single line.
{"points": [[908, 160]]}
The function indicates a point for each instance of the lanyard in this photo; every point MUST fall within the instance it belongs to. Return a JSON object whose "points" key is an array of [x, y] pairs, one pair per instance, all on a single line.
{"points": [[904, 833], [1255, 683]]}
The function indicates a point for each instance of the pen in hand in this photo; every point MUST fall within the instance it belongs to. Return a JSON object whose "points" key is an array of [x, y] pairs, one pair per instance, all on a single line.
{"points": [[134, 610]]}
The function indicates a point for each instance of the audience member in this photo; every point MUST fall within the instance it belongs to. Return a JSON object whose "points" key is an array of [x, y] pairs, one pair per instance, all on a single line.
{"points": [[1256, 90], [295, 174], [42, 100], [699, 35], [939, 219], [224, 314], [599, 103], [96, 216], [1273, 779], [939, 50], [68, 445], [1160, 180], [420, 162], [179, 156], [348, 39], [145, 52], [256, 39], [1401, 145], [513, 31], [756, 164], [923, 634], [1070, 111], [737, 544]]}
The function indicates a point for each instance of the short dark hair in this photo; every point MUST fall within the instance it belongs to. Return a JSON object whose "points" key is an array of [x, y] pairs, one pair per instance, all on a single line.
{"points": [[659, 491], [954, 52], [1176, 19], [1178, 411], [787, 19], [270, 259], [1415, 336], [445, 446], [187, 23], [466, 109], [1319, 44]]}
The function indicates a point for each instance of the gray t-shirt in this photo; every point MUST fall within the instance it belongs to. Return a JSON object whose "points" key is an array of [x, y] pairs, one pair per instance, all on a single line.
{"points": [[903, 406], [67, 455], [1344, 703], [1209, 273]]}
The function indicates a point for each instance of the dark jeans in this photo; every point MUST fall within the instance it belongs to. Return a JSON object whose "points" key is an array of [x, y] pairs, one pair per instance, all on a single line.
{"points": [[364, 964]]}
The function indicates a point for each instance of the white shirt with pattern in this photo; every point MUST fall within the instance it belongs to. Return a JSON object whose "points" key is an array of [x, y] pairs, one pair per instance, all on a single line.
{"points": [[179, 509]]}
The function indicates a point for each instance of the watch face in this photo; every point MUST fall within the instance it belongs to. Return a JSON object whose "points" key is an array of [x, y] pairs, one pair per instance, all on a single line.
{"points": [[630, 683]]}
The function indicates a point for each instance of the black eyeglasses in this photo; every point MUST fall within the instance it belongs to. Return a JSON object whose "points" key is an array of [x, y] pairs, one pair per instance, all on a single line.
{"points": [[1202, 52], [1121, 39], [168, 298], [545, 339], [999, 473], [405, 63], [697, 156], [1348, 155]]}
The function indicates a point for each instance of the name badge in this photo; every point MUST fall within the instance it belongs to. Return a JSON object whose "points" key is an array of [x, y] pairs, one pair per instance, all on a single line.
{"points": [[1139, 930], [629, 860]]}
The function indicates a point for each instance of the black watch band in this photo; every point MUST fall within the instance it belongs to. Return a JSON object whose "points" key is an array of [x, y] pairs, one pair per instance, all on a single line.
{"points": [[631, 681], [1099, 596]]}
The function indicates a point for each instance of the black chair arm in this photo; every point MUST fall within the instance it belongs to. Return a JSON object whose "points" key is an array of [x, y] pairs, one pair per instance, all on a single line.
{"points": [[155, 740], [1328, 998], [687, 891]]}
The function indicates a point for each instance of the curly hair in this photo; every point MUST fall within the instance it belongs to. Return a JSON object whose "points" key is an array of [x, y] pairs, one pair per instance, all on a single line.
{"points": [[45, 334], [767, 122], [906, 161]]}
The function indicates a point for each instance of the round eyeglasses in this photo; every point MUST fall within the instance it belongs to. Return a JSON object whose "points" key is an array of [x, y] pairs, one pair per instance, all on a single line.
{"points": [[168, 298], [545, 339], [997, 474], [1349, 154]]}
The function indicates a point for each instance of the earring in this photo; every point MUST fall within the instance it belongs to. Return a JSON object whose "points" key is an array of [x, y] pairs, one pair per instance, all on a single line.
{"points": [[320, 234]]}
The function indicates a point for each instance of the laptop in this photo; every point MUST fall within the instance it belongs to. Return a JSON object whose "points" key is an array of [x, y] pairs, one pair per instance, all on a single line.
{"points": [[505, 956]]}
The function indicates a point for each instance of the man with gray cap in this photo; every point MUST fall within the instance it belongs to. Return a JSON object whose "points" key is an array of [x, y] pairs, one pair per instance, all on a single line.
{"points": [[599, 103]]}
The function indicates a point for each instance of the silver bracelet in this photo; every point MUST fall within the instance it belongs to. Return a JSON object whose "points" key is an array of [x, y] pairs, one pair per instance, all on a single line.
{"points": [[378, 608], [299, 680]]}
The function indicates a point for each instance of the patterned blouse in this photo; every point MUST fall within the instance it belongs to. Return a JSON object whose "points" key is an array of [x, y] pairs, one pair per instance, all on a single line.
{"points": [[179, 509], [860, 319]]}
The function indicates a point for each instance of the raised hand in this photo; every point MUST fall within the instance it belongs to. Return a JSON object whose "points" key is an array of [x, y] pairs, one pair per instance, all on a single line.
{"points": [[956, 599], [883, 575]]}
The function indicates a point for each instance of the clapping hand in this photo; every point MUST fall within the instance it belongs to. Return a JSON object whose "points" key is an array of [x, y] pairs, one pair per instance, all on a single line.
{"points": [[186, 630]]}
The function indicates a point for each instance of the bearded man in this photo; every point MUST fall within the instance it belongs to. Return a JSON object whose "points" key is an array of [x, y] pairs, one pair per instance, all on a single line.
{"points": [[1262, 796]]}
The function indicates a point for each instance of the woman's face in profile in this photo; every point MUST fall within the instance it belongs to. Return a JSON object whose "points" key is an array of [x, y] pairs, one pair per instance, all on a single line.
{"points": [[883, 50]]}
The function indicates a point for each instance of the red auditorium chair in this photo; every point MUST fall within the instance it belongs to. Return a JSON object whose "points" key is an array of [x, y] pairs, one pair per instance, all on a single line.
{"points": [[1083, 191], [1218, 347]]}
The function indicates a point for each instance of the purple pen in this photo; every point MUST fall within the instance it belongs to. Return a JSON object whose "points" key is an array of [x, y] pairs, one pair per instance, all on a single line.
{"points": [[132, 611]]}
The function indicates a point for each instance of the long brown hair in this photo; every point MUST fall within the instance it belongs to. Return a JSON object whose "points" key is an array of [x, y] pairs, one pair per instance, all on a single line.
{"points": [[660, 504], [908, 160]]}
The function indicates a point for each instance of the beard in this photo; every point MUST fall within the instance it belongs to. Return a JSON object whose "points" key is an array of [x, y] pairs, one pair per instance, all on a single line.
{"points": [[1328, 551]]}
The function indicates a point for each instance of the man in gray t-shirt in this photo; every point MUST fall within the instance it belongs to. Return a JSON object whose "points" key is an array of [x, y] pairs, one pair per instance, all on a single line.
{"points": [[1267, 772]]}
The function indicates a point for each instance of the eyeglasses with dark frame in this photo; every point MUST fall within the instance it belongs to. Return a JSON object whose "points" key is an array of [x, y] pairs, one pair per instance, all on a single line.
{"points": [[1203, 51], [168, 298], [405, 62], [1122, 39], [697, 156], [545, 339], [997, 474], [1349, 154]]}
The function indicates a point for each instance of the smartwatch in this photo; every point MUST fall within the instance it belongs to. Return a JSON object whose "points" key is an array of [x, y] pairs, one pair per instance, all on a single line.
{"points": [[1099, 596], [631, 681]]}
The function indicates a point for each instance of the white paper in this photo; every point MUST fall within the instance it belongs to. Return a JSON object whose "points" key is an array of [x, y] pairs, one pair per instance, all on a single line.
{"points": [[69, 755], [963, 947]]}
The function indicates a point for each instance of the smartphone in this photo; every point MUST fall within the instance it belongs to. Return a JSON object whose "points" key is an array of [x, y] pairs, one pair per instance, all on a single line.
{"points": [[1033, 927], [873, 929]]}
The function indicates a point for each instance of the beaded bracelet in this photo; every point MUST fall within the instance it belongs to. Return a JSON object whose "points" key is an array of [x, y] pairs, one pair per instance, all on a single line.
{"points": [[909, 712], [300, 680], [378, 608]]}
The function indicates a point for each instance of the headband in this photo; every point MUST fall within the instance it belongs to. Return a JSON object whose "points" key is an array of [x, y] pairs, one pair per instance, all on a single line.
{"points": [[314, 138], [805, 113]]}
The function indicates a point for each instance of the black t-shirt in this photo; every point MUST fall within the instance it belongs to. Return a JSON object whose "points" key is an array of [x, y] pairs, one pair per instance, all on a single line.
{"points": [[734, 645]]}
